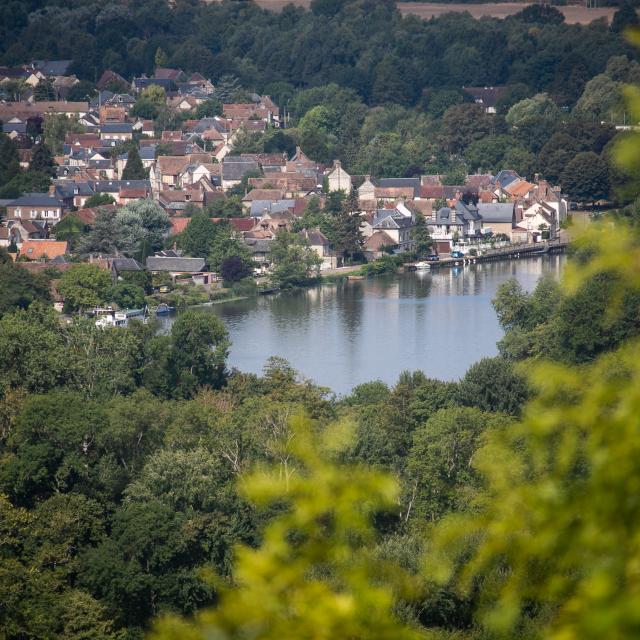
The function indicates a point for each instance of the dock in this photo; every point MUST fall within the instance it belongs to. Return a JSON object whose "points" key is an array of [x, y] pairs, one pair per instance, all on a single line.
{"points": [[512, 252]]}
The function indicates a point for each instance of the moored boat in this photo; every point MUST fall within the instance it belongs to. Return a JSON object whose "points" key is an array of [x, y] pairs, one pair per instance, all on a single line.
{"points": [[163, 309]]}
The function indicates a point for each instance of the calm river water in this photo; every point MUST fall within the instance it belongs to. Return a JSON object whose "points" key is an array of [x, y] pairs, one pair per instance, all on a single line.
{"points": [[342, 335]]}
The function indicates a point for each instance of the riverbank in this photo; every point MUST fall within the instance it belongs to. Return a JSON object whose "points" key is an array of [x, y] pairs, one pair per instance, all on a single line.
{"points": [[383, 266]]}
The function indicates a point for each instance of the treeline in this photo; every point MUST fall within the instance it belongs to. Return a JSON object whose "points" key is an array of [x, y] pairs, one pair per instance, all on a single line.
{"points": [[363, 45]]}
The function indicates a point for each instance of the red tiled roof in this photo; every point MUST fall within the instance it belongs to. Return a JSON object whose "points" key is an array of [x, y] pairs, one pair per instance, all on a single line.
{"points": [[242, 224], [132, 193], [35, 249], [178, 225], [172, 165]]}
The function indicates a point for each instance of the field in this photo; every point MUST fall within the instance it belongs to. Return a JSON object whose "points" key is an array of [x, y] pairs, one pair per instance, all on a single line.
{"points": [[573, 13]]}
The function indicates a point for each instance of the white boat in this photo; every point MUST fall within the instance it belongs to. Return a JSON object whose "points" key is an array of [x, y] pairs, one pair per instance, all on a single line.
{"points": [[112, 319], [423, 266]]}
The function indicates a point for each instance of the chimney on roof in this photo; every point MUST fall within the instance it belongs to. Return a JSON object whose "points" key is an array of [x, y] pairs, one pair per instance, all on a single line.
{"points": [[536, 177], [337, 164]]}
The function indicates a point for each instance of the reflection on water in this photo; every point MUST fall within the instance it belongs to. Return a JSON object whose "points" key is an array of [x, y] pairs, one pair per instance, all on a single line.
{"points": [[342, 335]]}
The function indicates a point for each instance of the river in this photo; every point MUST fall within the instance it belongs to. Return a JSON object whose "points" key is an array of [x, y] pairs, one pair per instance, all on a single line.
{"points": [[345, 334]]}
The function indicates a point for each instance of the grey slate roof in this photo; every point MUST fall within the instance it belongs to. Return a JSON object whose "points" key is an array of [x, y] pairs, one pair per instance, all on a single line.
{"points": [[236, 167], [467, 211], [444, 216], [52, 67], [67, 189], [496, 212], [381, 214], [272, 206], [100, 164], [102, 98], [391, 219], [18, 127], [113, 186], [148, 153], [116, 127], [259, 245], [505, 177], [175, 265], [125, 264], [122, 98], [36, 200]]}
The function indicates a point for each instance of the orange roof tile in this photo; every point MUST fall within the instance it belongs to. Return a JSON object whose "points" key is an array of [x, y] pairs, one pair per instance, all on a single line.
{"points": [[36, 249]]}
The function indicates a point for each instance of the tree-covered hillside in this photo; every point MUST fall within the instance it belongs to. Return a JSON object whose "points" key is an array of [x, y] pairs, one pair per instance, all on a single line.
{"points": [[364, 45]]}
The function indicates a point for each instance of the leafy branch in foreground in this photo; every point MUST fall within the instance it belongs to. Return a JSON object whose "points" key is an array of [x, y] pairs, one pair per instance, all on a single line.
{"points": [[555, 538], [312, 577]]}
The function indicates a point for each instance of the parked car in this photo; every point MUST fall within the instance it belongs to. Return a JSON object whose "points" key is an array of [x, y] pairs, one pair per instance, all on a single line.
{"points": [[433, 258], [457, 254]]}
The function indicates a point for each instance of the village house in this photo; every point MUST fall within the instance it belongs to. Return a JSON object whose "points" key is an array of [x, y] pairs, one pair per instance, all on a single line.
{"points": [[319, 243], [234, 168], [174, 75], [377, 245], [35, 206], [111, 113], [138, 84], [110, 78], [180, 269], [498, 218], [338, 179], [451, 224], [269, 195], [536, 219], [120, 266], [167, 171], [72, 193], [302, 164], [114, 187], [20, 231], [272, 207], [175, 201], [398, 226], [112, 133], [260, 249], [42, 249], [26, 110], [389, 189]]}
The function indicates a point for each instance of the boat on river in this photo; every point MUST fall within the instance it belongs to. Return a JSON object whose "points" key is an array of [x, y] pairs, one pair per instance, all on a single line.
{"points": [[422, 266], [163, 309]]}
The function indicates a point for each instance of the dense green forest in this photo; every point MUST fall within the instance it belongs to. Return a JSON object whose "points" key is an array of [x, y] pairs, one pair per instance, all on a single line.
{"points": [[365, 45]]}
